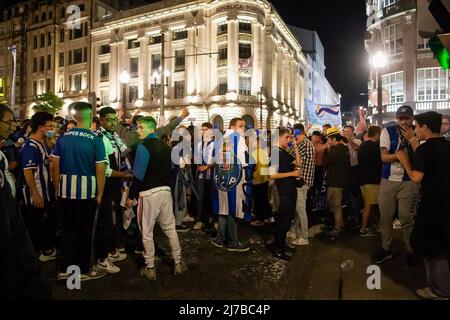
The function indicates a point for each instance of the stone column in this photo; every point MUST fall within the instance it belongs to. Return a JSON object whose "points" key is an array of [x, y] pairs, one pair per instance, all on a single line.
{"points": [[256, 51], [203, 62], [233, 56], [280, 72], [213, 62], [143, 67], [168, 64], [287, 79], [293, 86], [114, 89], [122, 64], [190, 73]]}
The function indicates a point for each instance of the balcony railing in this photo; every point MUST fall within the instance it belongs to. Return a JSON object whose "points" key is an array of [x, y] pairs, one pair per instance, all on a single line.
{"points": [[222, 38], [419, 106], [399, 6], [222, 63]]}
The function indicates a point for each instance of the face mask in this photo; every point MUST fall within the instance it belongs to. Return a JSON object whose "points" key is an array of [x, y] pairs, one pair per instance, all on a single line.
{"points": [[50, 134]]}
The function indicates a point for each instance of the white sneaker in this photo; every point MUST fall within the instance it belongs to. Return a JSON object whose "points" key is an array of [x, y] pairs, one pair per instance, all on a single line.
{"points": [[270, 220], [95, 273], [257, 224], [188, 219], [199, 226], [300, 242], [397, 224], [61, 276], [108, 266], [118, 256], [290, 235], [44, 258], [180, 268], [149, 273]]}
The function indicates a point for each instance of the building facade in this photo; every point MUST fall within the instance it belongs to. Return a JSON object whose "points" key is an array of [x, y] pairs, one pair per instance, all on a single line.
{"points": [[412, 75], [52, 41], [13, 27], [58, 53], [223, 59], [319, 90]]}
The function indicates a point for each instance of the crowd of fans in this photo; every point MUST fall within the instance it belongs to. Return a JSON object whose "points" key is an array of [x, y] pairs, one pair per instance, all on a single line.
{"points": [[71, 189]]}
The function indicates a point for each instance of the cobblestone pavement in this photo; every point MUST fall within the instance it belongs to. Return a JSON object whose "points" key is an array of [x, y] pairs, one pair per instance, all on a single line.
{"points": [[314, 273]]}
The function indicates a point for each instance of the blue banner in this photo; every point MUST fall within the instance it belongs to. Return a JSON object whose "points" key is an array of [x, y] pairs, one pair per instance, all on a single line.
{"points": [[320, 114]]}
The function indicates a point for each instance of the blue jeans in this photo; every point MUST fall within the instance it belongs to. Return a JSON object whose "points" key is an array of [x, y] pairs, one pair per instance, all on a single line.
{"points": [[227, 231]]}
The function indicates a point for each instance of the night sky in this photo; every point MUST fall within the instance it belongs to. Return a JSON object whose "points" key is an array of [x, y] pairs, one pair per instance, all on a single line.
{"points": [[341, 27]]}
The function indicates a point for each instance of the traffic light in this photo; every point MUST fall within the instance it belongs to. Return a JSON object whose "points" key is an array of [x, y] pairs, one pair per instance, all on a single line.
{"points": [[441, 52], [438, 30]]}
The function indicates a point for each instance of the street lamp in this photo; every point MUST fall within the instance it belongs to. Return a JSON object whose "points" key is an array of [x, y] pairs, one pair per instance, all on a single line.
{"points": [[378, 62], [124, 80], [261, 100]]}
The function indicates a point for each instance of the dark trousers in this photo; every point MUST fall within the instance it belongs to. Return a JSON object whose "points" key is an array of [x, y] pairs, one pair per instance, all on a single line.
{"points": [[352, 195], [78, 217], [106, 234], [204, 200], [318, 180], [261, 204], [41, 225], [286, 213]]}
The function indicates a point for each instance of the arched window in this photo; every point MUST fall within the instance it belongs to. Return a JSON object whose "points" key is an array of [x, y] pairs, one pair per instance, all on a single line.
{"points": [[63, 12], [249, 122], [36, 19], [50, 15], [218, 123], [44, 16]]}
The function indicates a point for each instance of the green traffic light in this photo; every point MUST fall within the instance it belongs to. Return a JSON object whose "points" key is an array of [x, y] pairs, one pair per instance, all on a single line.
{"points": [[440, 52]]}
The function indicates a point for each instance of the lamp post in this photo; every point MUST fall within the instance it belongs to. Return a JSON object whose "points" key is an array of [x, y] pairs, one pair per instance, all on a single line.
{"points": [[154, 93], [378, 62], [261, 92], [124, 80], [13, 51]]}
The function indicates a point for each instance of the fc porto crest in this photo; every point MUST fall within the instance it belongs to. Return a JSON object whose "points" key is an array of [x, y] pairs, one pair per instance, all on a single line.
{"points": [[228, 174]]}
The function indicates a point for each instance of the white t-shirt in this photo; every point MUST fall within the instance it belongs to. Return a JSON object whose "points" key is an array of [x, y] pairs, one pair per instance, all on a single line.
{"points": [[354, 153], [207, 156], [397, 171], [241, 149]]}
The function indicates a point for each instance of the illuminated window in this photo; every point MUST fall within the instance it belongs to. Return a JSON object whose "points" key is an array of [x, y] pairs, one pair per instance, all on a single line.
{"points": [[432, 84], [394, 84], [393, 39]]}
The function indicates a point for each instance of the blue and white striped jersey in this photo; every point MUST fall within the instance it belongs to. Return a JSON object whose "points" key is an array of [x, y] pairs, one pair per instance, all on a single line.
{"points": [[35, 157], [79, 151]]}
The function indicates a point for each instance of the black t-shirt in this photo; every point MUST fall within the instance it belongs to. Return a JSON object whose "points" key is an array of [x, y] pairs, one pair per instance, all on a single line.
{"points": [[286, 186], [432, 158], [369, 163]]}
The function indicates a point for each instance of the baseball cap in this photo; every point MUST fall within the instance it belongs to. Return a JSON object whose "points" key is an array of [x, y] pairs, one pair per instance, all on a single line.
{"points": [[405, 111]]}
